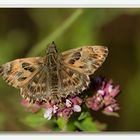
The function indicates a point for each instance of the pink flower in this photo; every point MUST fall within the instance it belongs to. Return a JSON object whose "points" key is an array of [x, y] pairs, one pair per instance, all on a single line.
{"points": [[48, 113], [65, 113], [68, 103], [30, 107], [104, 96], [72, 105], [76, 108]]}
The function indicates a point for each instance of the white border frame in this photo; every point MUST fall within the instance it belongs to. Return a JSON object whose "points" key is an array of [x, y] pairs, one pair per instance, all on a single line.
{"points": [[70, 3], [70, 137]]}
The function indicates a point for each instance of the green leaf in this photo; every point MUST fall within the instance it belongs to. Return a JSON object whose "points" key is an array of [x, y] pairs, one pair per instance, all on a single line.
{"points": [[34, 120], [87, 125], [83, 115], [62, 123], [70, 125]]}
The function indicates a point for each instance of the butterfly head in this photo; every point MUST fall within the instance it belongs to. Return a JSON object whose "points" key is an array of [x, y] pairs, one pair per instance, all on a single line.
{"points": [[51, 48]]}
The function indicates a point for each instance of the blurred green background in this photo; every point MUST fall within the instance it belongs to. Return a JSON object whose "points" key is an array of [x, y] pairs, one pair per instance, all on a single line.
{"points": [[26, 32]]}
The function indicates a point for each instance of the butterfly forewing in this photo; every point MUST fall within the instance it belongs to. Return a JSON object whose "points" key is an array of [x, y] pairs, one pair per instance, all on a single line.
{"points": [[19, 72], [86, 59]]}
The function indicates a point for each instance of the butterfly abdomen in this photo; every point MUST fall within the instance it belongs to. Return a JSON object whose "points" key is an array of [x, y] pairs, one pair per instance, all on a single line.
{"points": [[53, 81], [53, 65]]}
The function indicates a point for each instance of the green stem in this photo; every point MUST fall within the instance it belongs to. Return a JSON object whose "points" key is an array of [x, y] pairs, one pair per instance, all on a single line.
{"points": [[58, 32]]}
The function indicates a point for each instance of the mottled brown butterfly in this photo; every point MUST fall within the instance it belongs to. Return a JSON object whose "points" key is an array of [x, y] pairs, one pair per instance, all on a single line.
{"points": [[56, 75]]}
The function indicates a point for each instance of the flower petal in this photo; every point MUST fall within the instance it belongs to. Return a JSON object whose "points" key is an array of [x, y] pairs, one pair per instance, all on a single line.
{"points": [[76, 108], [55, 108], [48, 113], [68, 103], [100, 91]]}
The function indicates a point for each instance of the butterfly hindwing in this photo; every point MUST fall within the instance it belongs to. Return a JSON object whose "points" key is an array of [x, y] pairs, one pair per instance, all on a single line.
{"points": [[36, 89], [72, 82]]}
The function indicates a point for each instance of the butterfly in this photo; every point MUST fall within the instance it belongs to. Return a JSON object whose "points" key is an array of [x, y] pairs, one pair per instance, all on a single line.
{"points": [[56, 75]]}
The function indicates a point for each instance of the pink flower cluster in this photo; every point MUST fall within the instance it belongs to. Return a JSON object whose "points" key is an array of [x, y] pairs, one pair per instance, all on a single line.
{"points": [[104, 96], [64, 109]]}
